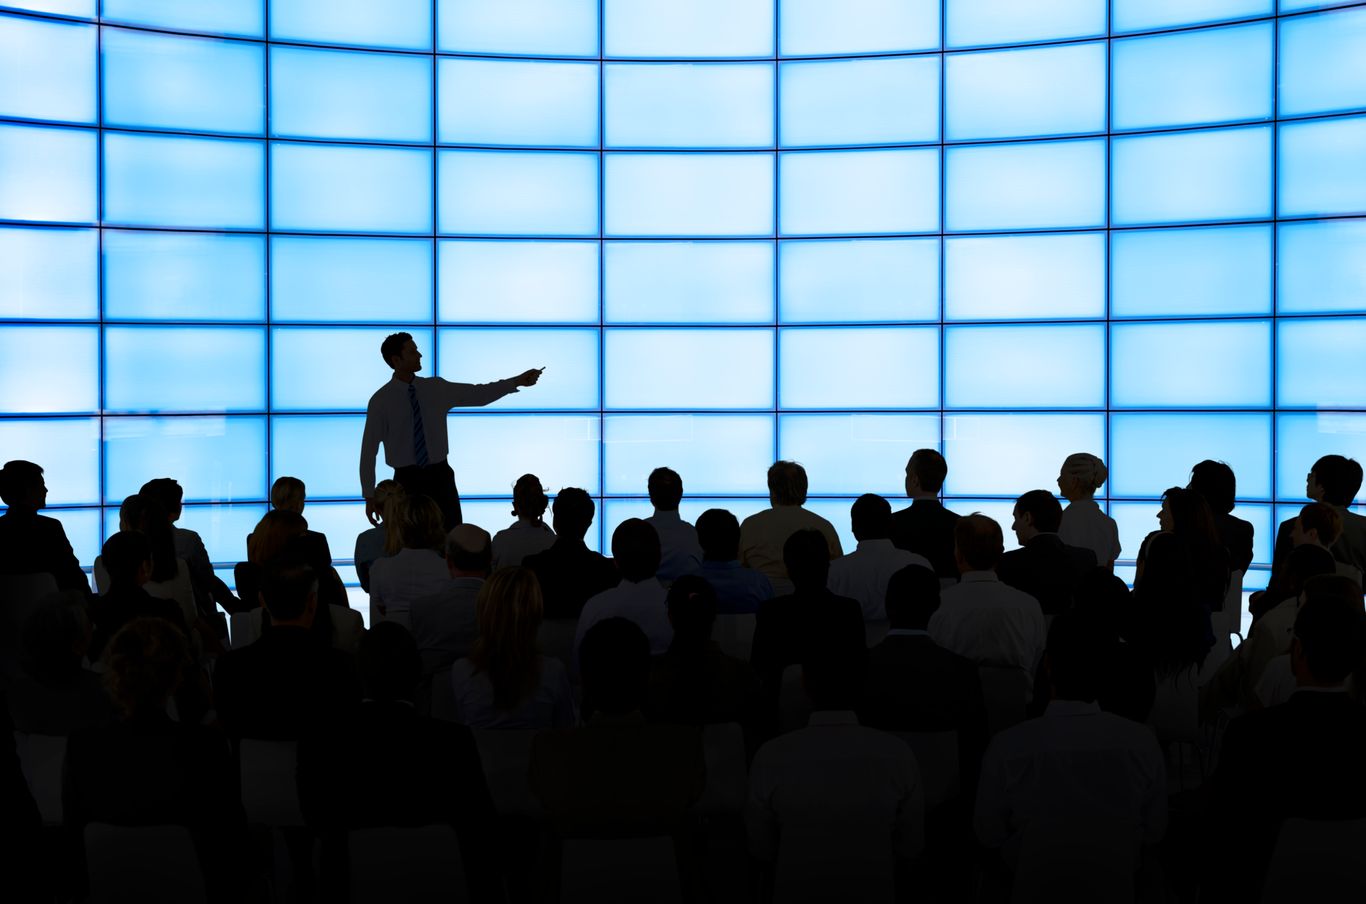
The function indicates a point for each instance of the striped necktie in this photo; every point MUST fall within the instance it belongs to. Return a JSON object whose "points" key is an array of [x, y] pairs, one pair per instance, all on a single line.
{"points": [[419, 435]]}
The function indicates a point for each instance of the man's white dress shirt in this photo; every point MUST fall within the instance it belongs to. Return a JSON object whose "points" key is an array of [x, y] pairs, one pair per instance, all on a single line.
{"points": [[989, 622], [398, 580], [444, 624], [642, 602], [679, 551], [864, 573], [1084, 525], [523, 538]]}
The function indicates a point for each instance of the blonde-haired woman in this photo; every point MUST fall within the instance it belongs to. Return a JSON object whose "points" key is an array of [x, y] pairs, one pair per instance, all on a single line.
{"points": [[1083, 523], [373, 544], [506, 682], [418, 569]]}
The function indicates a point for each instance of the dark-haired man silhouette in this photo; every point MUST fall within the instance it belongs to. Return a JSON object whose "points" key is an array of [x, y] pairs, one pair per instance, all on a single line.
{"points": [[925, 527], [30, 542]]}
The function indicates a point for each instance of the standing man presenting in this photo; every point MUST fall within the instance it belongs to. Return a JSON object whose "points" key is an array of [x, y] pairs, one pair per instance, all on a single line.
{"points": [[408, 415]]}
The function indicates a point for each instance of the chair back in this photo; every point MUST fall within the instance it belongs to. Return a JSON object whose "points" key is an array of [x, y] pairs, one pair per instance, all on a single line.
{"points": [[270, 788], [1091, 861], [727, 783], [42, 758], [794, 707], [734, 634], [443, 696], [146, 864], [620, 870], [408, 864], [1317, 860], [1006, 692], [936, 754], [506, 755]]}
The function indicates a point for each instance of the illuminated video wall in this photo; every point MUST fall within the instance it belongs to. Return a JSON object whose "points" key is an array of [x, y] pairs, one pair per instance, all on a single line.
{"points": [[731, 230]]}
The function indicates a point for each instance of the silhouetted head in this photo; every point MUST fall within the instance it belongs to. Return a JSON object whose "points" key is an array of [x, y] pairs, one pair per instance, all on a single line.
{"points": [[145, 660], [807, 557], [912, 597], [389, 664], [635, 549], [289, 590], [1334, 479], [977, 543], [1330, 639], [925, 472], [169, 493], [1186, 514], [273, 533], [386, 493], [146, 515], [1081, 475], [400, 352], [1215, 481], [1036, 512], [509, 609], [833, 679], [573, 513], [786, 483], [22, 487], [1317, 522], [420, 523], [665, 488], [718, 533], [469, 550], [127, 559], [614, 663], [871, 517], [1074, 658], [692, 610], [288, 494], [529, 500]]}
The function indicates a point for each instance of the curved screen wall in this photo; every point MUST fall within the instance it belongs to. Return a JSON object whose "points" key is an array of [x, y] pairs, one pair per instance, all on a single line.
{"points": [[732, 230]]}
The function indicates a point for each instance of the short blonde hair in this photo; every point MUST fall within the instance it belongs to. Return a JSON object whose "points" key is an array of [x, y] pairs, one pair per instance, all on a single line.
{"points": [[287, 494], [1085, 470]]}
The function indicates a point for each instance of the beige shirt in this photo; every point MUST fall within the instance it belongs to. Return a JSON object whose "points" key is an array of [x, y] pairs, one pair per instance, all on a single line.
{"points": [[763, 534], [1084, 525]]}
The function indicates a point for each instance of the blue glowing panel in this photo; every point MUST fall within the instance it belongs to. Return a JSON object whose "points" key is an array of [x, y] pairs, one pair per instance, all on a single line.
{"points": [[484, 281], [215, 368], [688, 194], [333, 368], [1135, 521], [615, 511], [517, 193], [569, 356], [1191, 365], [224, 529], [1143, 15], [315, 278], [512, 102], [1018, 93], [184, 276], [1025, 366], [688, 282], [350, 189], [533, 27], [47, 175], [809, 27], [216, 459], [340, 522], [47, 70], [157, 180], [1290, 6], [1025, 277], [156, 81], [1150, 452], [82, 528], [854, 280], [84, 9], [227, 17], [1312, 368], [1218, 270], [1322, 67], [1321, 267], [49, 274], [1034, 185], [321, 451], [859, 367], [29, 350], [979, 22], [1007, 454], [686, 105], [688, 368], [1302, 439], [490, 451], [1192, 78], [404, 24], [1002, 511], [68, 451], [837, 512], [832, 192], [1218, 174], [700, 28], [725, 454], [1320, 167], [856, 453], [350, 95], [844, 102]]}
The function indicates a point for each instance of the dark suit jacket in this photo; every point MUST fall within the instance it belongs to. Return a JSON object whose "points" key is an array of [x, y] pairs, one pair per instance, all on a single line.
{"points": [[1047, 569], [123, 604], [283, 685], [1236, 535], [31, 544], [926, 527], [570, 573]]}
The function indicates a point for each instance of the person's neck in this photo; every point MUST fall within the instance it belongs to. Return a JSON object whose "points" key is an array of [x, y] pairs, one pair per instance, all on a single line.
{"points": [[404, 376], [918, 495], [21, 511]]}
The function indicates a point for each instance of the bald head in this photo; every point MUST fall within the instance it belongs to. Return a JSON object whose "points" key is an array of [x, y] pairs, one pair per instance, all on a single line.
{"points": [[469, 551]]}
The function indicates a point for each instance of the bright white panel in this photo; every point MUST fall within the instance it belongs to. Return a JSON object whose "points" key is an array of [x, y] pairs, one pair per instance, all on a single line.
{"points": [[47, 70], [1218, 270], [1143, 15], [501, 282], [333, 368], [1302, 439], [47, 174], [688, 105], [29, 350], [857, 26], [219, 459], [405, 24], [350, 95], [322, 452], [1020, 93], [1322, 66], [1190, 365], [517, 193], [832, 192], [224, 529], [978, 22], [1195, 77], [157, 180], [1025, 277], [1026, 186], [49, 274], [837, 512], [227, 17], [856, 453], [158, 81], [855, 280], [688, 282], [550, 27], [314, 278], [1312, 367], [1007, 454], [184, 276], [1025, 366], [67, 449], [1321, 267], [727, 454], [350, 189], [843, 102], [82, 528], [517, 102], [699, 28], [1135, 521], [1320, 167], [1218, 174], [859, 367], [490, 451], [689, 194], [1290, 6], [1150, 452], [340, 522], [569, 356], [216, 368], [84, 9], [688, 368]]}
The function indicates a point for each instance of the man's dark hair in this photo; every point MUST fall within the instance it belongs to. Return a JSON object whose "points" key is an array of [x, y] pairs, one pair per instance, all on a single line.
{"points": [[929, 468], [572, 512], [1340, 478], [614, 662], [390, 666], [692, 609], [1332, 632], [718, 533], [1043, 509], [807, 557], [978, 540], [123, 554], [1306, 562], [286, 584], [635, 547], [166, 491], [1075, 654], [528, 496], [17, 479], [665, 488], [480, 559], [1321, 517], [1217, 483], [393, 345], [912, 597], [787, 483], [834, 678], [871, 517]]}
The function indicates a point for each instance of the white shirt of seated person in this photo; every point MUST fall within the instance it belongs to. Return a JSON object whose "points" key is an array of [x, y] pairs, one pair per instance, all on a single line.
{"points": [[989, 622]]}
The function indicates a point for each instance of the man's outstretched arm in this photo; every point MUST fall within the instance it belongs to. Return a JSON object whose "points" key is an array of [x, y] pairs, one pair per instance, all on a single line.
{"points": [[476, 395]]}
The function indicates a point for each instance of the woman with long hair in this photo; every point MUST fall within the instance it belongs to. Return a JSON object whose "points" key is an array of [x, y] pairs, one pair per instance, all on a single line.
{"points": [[418, 569], [170, 578], [374, 543]]}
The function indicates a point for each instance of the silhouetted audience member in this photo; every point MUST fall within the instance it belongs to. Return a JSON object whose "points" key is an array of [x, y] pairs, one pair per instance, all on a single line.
{"points": [[738, 589], [639, 597], [1186, 517], [127, 559], [415, 571], [1083, 524], [31, 543], [289, 494], [763, 534], [209, 589], [568, 570], [372, 544], [53, 693], [925, 527], [170, 578], [529, 534], [1127, 685], [679, 551], [1216, 482], [444, 624], [1168, 622], [1318, 524], [282, 533], [1044, 566], [1336, 480], [863, 574]]}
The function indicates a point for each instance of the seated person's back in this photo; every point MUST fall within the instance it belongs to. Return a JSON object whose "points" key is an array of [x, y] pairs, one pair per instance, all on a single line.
{"points": [[863, 574], [639, 597], [444, 624], [763, 534], [29, 542], [53, 693], [415, 571], [679, 551], [739, 590], [569, 571], [925, 527], [127, 559], [1044, 566], [529, 534], [372, 544]]}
